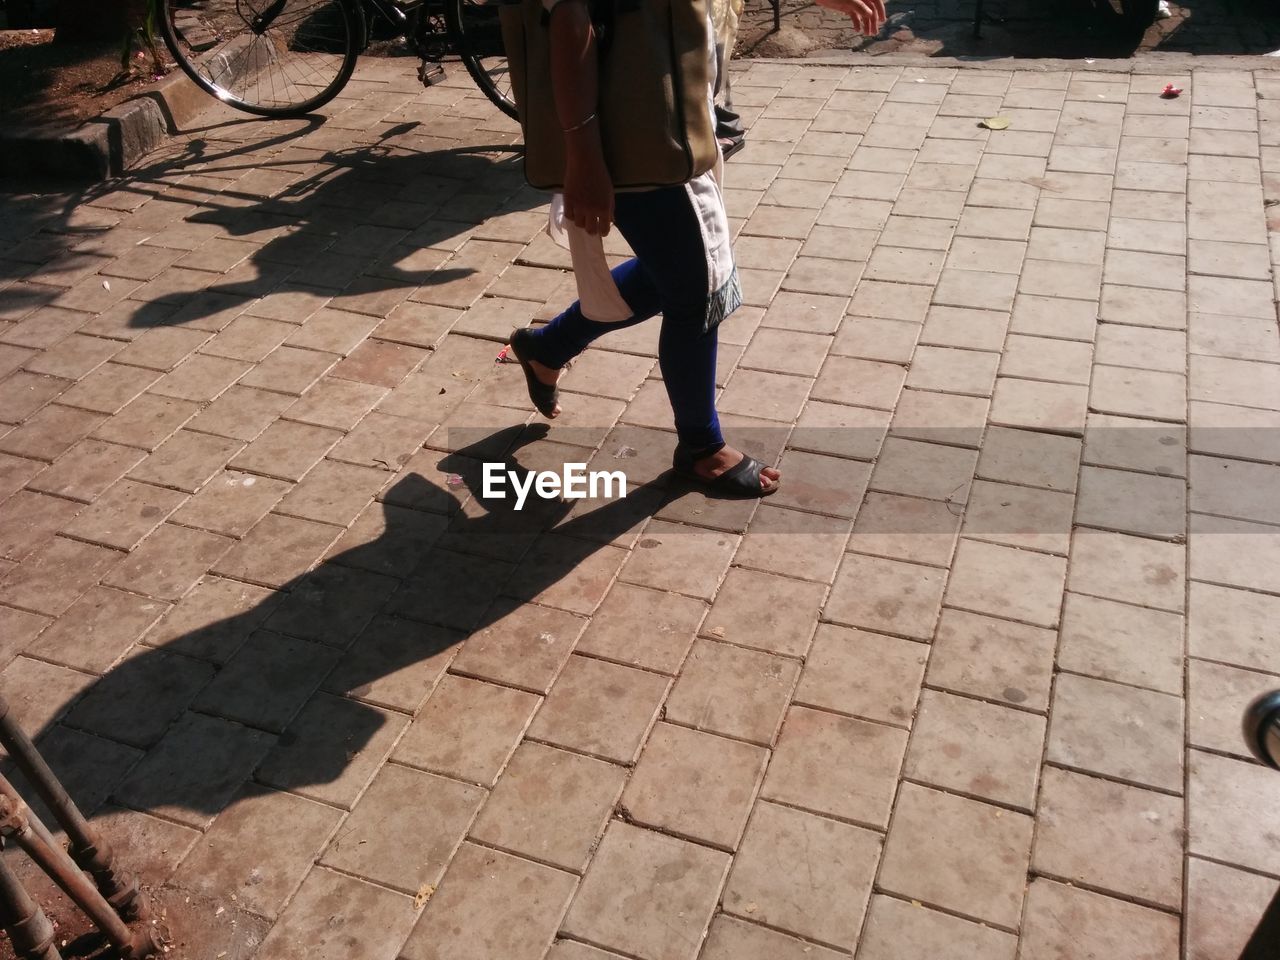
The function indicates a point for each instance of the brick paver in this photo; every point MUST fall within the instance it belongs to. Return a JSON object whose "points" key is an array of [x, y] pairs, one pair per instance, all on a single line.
{"points": [[968, 685]]}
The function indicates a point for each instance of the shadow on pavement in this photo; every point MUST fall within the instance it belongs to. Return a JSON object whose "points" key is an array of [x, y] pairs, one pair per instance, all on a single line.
{"points": [[229, 709]]}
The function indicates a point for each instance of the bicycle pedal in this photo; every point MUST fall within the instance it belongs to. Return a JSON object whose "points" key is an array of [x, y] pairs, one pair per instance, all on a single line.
{"points": [[430, 73]]}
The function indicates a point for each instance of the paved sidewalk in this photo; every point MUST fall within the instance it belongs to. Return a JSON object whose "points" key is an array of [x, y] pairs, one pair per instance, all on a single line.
{"points": [[968, 686]]}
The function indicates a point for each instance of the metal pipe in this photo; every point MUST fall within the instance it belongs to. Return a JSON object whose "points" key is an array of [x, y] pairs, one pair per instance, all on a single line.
{"points": [[30, 932], [15, 824], [87, 848]]}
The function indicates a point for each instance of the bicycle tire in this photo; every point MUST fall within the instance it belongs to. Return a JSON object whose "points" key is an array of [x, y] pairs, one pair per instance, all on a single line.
{"points": [[477, 37], [216, 62]]}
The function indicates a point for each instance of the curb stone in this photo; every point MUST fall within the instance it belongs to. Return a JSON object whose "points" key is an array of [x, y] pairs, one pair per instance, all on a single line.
{"points": [[108, 145]]}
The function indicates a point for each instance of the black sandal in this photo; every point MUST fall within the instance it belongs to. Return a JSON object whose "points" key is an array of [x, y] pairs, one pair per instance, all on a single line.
{"points": [[545, 396], [731, 145], [740, 480]]}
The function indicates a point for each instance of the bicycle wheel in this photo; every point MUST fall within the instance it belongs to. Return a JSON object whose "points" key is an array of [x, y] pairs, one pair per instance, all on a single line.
{"points": [[477, 35], [273, 58]]}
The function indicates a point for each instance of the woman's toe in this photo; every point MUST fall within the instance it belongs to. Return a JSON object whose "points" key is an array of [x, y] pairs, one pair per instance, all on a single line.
{"points": [[771, 476]]}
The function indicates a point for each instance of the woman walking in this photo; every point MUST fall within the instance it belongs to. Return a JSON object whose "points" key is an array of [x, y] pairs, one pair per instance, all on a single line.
{"points": [[683, 266]]}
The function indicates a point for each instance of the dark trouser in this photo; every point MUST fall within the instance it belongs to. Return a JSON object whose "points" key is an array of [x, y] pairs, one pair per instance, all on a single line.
{"points": [[667, 276]]}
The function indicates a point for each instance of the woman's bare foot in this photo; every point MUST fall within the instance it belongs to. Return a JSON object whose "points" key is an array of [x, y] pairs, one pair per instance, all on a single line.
{"points": [[549, 376], [726, 457]]}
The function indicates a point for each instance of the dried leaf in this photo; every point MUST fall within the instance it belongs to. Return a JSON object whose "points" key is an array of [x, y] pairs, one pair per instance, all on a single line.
{"points": [[423, 895], [996, 123]]}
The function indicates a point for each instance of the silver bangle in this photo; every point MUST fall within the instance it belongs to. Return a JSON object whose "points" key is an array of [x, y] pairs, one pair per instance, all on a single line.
{"points": [[579, 126]]}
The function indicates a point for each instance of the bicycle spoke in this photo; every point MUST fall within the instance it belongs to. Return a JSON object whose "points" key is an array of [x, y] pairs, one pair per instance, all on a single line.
{"points": [[300, 60]]}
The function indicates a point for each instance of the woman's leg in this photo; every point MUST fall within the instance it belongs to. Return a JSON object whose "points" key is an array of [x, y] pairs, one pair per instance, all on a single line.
{"points": [[664, 230], [571, 332]]}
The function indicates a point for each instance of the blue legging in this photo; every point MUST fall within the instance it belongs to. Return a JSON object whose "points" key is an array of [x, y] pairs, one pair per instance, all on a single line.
{"points": [[667, 276]]}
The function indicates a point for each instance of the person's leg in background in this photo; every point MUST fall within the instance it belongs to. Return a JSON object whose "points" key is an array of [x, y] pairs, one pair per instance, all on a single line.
{"points": [[729, 129]]}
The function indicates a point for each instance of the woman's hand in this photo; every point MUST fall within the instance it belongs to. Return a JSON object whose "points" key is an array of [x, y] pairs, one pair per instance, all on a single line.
{"points": [[867, 15], [588, 188]]}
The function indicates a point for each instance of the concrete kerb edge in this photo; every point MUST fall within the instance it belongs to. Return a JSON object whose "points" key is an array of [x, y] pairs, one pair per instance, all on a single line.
{"points": [[107, 145]]}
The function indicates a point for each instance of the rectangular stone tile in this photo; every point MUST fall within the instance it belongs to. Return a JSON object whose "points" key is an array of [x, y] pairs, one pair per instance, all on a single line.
{"points": [[276, 550], [230, 504], [678, 885], [193, 773], [993, 659], [524, 645], [286, 450], [331, 750], [214, 620], [1147, 446], [19, 629], [1008, 583], [1109, 836], [765, 612], [600, 708], [1122, 643], [791, 543], [906, 528], [804, 874], [55, 576], [962, 855], [331, 911], [565, 573], [491, 905], [50, 432], [873, 339], [1030, 458], [1232, 626], [386, 840], [886, 596], [940, 418], [39, 693], [695, 785], [672, 623], [1134, 503], [734, 939], [836, 766], [733, 692], [247, 856], [928, 470], [863, 675], [1139, 393], [1223, 907], [683, 559], [1215, 694], [467, 730], [977, 749], [86, 470], [1055, 317], [1232, 488], [897, 930], [1041, 358], [1234, 552], [29, 521], [186, 461], [138, 700], [1117, 731], [1147, 308], [1129, 569], [550, 805], [1064, 921], [1020, 517], [169, 562], [1036, 405], [1240, 382]]}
